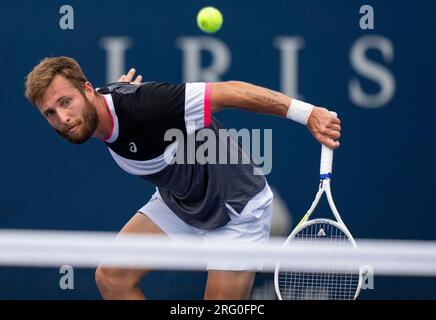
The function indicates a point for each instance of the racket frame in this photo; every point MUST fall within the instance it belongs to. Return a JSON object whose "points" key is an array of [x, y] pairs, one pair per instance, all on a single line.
{"points": [[324, 187], [305, 222]]}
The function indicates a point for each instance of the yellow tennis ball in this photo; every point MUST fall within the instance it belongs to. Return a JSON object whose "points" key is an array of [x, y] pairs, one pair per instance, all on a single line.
{"points": [[209, 19]]}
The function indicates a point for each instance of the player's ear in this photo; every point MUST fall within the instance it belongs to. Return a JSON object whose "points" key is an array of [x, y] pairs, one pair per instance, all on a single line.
{"points": [[89, 89]]}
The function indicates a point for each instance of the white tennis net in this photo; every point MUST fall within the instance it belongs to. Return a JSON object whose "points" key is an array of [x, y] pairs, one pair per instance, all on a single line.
{"points": [[89, 249]]}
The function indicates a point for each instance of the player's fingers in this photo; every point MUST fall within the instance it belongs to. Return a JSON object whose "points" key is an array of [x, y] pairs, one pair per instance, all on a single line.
{"points": [[335, 120], [138, 80], [331, 143], [335, 127], [334, 134], [130, 74], [331, 133]]}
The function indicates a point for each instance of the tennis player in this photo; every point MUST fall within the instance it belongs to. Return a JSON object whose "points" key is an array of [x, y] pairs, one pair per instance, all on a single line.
{"points": [[212, 201]]}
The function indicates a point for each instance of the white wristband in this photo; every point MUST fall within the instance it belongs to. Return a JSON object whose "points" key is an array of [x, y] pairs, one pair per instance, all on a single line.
{"points": [[299, 111]]}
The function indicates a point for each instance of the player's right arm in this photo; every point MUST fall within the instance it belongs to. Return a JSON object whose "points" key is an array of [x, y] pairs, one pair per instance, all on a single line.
{"points": [[324, 126]]}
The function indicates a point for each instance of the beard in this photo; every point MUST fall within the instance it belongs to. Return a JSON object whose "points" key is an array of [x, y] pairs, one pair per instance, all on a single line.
{"points": [[86, 127]]}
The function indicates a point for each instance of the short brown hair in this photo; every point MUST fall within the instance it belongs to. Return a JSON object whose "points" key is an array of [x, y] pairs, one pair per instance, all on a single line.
{"points": [[40, 78]]}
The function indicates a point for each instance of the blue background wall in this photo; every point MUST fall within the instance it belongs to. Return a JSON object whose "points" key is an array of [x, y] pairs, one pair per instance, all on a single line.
{"points": [[384, 171]]}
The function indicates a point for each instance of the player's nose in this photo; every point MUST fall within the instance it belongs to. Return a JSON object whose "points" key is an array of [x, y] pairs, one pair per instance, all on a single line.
{"points": [[64, 117]]}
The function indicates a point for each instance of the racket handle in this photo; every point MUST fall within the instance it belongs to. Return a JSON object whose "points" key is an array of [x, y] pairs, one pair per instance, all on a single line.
{"points": [[326, 160]]}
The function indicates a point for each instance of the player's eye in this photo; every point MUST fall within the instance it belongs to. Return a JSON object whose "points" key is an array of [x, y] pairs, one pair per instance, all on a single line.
{"points": [[65, 102], [49, 113]]}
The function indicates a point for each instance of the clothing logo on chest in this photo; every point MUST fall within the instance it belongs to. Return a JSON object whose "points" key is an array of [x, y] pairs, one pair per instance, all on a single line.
{"points": [[132, 147]]}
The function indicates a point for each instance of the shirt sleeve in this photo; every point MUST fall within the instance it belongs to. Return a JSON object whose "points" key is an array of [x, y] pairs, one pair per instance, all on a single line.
{"points": [[197, 106], [183, 106]]}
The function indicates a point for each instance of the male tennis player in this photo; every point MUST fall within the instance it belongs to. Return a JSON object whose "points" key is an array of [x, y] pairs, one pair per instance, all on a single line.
{"points": [[210, 201]]}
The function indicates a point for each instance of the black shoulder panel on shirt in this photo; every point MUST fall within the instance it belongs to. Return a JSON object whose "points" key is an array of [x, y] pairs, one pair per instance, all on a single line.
{"points": [[120, 87], [145, 113]]}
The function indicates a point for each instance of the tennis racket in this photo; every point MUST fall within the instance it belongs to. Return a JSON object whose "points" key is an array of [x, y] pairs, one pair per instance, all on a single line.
{"points": [[293, 284]]}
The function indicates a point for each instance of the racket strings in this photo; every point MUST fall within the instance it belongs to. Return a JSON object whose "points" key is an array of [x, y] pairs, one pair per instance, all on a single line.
{"points": [[319, 284]]}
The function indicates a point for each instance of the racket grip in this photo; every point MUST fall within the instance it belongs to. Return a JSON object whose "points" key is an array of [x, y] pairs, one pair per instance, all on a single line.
{"points": [[326, 160]]}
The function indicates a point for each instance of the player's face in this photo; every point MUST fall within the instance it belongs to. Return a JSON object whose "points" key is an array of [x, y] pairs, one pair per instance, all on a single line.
{"points": [[69, 112]]}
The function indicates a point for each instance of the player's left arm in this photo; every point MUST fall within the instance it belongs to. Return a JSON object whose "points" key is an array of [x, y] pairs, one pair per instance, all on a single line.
{"points": [[324, 126]]}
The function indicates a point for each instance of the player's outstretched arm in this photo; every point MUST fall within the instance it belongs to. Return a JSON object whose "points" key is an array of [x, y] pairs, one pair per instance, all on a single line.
{"points": [[324, 126]]}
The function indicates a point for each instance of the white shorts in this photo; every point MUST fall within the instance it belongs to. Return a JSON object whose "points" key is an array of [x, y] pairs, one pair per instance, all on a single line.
{"points": [[251, 225]]}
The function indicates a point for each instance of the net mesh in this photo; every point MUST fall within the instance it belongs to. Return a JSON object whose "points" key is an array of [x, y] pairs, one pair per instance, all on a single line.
{"points": [[316, 284], [309, 269]]}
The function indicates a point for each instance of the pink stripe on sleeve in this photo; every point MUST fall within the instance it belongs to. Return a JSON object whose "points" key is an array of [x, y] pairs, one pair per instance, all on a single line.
{"points": [[207, 97]]}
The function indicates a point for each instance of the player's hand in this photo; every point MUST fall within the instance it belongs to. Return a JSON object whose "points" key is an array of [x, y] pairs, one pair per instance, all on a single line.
{"points": [[129, 77], [325, 127]]}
